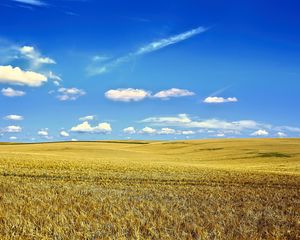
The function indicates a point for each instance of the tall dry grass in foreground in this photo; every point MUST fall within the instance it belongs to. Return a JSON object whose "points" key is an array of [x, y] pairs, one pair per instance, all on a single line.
{"points": [[217, 189]]}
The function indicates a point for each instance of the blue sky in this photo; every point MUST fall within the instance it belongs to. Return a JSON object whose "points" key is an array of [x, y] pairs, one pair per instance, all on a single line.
{"points": [[89, 69]]}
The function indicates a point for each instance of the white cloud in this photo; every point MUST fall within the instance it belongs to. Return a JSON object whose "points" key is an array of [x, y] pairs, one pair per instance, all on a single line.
{"points": [[67, 94], [56, 79], [12, 129], [148, 130], [34, 56], [14, 117], [260, 132], [281, 134], [13, 138], [187, 132], [220, 135], [148, 48], [64, 134], [178, 120], [131, 94], [74, 140], [220, 100], [85, 127], [87, 118], [167, 131], [183, 120], [32, 2], [129, 130], [173, 92], [156, 45], [127, 94], [43, 133], [16, 76], [9, 92]]}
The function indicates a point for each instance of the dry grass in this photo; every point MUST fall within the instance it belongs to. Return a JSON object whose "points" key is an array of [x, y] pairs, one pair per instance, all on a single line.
{"points": [[212, 189]]}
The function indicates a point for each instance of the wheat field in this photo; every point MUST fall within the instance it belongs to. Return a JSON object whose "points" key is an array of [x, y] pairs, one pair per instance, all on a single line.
{"points": [[197, 189]]}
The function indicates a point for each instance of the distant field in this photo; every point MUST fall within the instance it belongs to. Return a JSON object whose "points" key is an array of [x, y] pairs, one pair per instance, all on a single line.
{"points": [[198, 189]]}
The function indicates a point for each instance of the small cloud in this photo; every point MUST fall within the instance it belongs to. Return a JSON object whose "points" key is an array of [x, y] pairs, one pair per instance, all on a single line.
{"points": [[220, 100], [43, 133], [126, 94], [35, 56], [74, 140], [167, 131], [281, 134], [9, 92], [148, 130], [56, 79], [98, 58], [173, 92], [187, 132], [87, 118], [12, 129], [129, 130], [13, 138], [14, 117], [260, 132], [64, 134], [16, 76], [69, 94], [32, 2], [85, 127]]}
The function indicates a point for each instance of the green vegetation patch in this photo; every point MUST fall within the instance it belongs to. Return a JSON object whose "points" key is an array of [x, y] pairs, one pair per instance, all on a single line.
{"points": [[274, 154]]}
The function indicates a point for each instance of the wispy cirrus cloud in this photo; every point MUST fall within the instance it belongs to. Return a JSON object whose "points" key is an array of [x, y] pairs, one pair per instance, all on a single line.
{"points": [[146, 49], [32, 2]]}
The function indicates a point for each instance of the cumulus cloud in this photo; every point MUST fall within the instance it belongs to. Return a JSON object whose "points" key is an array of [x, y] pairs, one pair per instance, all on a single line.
{"points": [[10, 92], [131, 94], [14, 117], [220, 100], [12, 129], [260, 132], [43, 133], [85, 127], [148, 48], [148, 130], [69, 94], [64, 134], [167, 131], [129, 130], [187, 132], [34, 56], [16, 76], [173, 92], [127, 94], [87, 118], [13, 138]]}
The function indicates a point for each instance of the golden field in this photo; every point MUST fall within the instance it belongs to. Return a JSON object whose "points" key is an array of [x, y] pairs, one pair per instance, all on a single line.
{"points": [[197, 189]]}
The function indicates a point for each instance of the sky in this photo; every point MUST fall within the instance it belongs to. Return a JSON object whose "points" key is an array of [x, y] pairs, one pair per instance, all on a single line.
{"points": [[108, 69]]}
